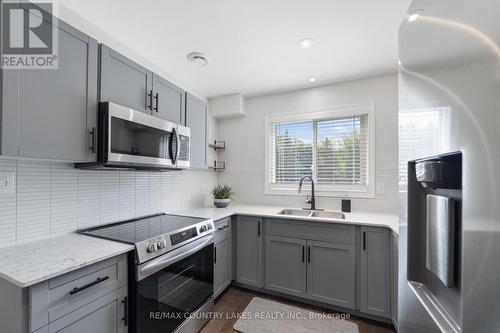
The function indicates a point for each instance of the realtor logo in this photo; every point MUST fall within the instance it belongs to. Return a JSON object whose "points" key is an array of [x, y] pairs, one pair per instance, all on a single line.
{"points": [[29, 35]]}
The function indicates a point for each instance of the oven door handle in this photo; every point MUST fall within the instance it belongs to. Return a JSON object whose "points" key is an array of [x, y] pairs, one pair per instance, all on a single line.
{"points": [[156, 265]]}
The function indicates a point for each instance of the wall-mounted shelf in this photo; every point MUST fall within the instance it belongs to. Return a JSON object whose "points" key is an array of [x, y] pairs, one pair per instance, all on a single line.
{"points": [[218, 145], [218, 166]]}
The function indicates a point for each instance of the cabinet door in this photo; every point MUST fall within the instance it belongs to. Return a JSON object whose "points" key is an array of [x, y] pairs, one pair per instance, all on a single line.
{"points": [[286, 265], [375, 271], [394, 279], [222, 265], [249, 250], [196, 120], [331, 273], [168, 100], [105, 315], [125, 82], [56, 108]]}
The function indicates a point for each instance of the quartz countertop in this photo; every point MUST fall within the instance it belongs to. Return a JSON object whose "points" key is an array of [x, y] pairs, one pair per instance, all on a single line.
{"points": [[29, 263], [377, 219]]}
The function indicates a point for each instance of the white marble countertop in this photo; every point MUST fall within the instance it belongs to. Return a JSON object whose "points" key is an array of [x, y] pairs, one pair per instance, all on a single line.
{"points": [[27, 264], [390, 221]]}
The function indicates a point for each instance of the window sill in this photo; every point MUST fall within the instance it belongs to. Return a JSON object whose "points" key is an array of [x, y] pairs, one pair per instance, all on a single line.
{"points": [[321, 193]]}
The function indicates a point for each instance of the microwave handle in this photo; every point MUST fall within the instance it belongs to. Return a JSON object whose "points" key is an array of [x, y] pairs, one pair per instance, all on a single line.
{"points": [[173, 156]]}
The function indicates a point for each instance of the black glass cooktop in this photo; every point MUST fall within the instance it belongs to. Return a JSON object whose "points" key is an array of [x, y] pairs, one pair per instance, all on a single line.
{"points": [[141, 229]]}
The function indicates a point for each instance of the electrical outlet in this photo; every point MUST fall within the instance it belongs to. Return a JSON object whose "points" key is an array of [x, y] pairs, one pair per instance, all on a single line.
{"points": [[203, 188], [7, 182]]}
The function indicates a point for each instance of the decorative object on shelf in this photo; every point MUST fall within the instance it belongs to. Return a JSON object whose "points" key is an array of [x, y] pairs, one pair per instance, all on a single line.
{"points": [[218, 145], [218, 165], [222, 195]]}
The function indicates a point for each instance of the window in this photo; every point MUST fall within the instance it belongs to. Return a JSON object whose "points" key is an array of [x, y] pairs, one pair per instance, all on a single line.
{"points": [[422, 133], [334, 147]]}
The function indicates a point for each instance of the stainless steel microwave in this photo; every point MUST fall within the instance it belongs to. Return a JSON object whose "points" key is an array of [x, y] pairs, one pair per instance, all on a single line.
{"points": [[132, 139]]}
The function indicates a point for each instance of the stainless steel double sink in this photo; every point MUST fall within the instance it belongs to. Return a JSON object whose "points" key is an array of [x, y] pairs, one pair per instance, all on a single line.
{"points": [[328, 214]]}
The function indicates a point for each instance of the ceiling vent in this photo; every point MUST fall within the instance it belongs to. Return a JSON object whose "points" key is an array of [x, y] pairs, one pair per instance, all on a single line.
{"points": [[197, 58]]}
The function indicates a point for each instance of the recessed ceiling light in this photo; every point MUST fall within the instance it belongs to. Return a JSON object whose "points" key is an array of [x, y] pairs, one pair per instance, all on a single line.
{"points": [[415, 15], [306, 43], [197, 58], [312, 79]]}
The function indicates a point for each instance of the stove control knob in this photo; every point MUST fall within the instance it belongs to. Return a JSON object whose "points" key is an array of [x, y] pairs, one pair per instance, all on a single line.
{"points": [[151, 248], [161, 244], [209, 226], [203, 228]]}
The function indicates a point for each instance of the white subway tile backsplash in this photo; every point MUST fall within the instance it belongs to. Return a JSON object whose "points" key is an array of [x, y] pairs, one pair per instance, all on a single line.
{"points": [[89, 198], [55, 198], [33, 201], [127, 195], [63, 199], [141, 193], [110, 196], [154, 192], [7, 209]]}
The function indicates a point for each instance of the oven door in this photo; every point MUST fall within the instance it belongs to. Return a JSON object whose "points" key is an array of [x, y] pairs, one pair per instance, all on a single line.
{"points": [[171, 287], [137, 139]]}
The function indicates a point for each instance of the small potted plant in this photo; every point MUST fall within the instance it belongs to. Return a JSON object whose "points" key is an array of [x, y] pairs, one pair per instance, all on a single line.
{"points": [[222, 195]]}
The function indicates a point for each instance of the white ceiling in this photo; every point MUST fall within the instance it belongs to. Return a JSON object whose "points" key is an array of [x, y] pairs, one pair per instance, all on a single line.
{"points": [[252, 45]]}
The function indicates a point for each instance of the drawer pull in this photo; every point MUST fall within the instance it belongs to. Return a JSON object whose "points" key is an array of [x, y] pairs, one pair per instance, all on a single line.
{"points": [[88, 285]]}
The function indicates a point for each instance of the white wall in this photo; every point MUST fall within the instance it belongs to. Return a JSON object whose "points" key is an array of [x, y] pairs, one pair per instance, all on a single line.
{"points": [[54, 198], [245, 138]]}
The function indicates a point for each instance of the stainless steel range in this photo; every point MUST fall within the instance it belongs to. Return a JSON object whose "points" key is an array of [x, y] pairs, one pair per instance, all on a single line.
{"points": [[171, 271]]}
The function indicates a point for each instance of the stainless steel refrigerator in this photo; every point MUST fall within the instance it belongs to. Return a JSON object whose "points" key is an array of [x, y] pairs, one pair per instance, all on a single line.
{"points": [[449, 171]]}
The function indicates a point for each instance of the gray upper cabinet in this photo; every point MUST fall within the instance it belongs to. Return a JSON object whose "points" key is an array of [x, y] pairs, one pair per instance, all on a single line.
{"points": [[331, 273], [286, 265], [168, 100], [49, 113], [125, 82], [249, 231], [375, 271], [196, 120]]}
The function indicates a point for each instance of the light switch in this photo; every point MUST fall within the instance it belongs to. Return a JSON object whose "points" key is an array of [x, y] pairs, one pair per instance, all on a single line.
{"points": [[7, 182]]}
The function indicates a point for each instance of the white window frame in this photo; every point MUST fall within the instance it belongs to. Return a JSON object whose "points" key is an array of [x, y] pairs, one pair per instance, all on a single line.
{"points": [[352, 191]]}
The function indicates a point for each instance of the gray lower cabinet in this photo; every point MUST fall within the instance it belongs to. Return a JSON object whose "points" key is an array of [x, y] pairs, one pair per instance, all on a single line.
{"points": [[222, 256], [104, 315], [394, 278], [316, 261], [286, 265], [196, 120], [375, 271], [168, 100], [124, 81], [90, 299], [50, 113], [249, 242], [331, 273]]}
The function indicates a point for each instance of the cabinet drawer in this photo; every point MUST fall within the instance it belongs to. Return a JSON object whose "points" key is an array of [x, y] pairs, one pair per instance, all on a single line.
{"points": [[329, 232], [52, 299], [105, 314], [222, 228]]}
